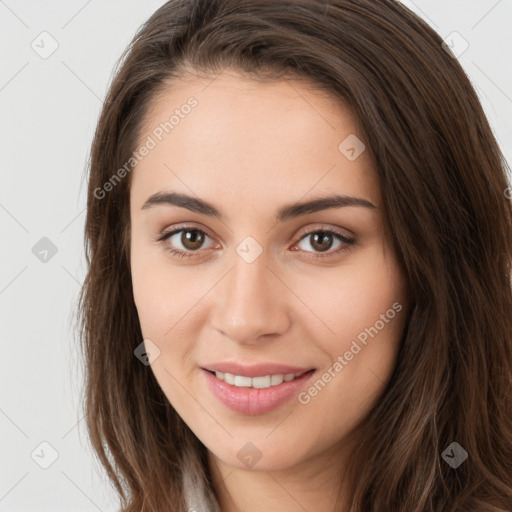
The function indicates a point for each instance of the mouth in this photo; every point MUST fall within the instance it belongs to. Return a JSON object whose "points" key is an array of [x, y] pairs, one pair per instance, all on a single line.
{"points": [[261, 382], [255, 395]]}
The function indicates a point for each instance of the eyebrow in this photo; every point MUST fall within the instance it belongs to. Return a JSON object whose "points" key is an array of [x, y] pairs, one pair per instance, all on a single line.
{"points": [[286, 212]]}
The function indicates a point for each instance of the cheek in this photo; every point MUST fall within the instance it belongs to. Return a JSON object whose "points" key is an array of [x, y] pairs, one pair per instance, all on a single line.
{"points": [[363, 306], [155, 287], [167, 298], [365, 312], [353, 297]]}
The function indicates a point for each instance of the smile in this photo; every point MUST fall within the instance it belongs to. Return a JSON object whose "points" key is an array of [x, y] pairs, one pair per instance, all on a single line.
{"points": [[255, 395], [266, 381]]}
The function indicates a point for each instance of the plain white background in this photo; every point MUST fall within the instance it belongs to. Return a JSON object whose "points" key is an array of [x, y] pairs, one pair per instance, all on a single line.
{"points": [[49, 108]]}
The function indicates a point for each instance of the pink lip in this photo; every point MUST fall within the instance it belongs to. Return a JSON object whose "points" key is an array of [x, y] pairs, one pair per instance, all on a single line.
{"points": [[253, 401], [255, 370]]}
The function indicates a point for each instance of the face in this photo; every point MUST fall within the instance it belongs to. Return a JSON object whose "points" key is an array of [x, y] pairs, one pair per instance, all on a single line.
{"points": [[300, 308]]}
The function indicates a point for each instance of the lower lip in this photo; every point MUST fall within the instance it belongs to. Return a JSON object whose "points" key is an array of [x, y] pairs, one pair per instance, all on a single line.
{"points": [[254, 401]]}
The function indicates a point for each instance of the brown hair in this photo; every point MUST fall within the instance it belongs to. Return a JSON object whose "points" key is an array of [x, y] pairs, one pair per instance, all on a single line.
{"points": [[443, 181]]}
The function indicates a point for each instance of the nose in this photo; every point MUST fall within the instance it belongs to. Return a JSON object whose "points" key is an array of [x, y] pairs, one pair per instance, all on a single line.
{"points": [[251, 302]]}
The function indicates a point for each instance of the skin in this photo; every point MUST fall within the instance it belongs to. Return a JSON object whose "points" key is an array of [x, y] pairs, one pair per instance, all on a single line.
{"points": [[249, 148]]}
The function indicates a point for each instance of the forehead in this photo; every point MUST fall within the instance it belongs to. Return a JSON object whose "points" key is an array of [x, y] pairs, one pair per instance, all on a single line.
{"points": [[250, 142]]}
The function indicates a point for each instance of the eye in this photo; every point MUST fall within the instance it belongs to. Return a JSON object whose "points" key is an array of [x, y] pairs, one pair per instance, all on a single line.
{"points": [[186, 241], [190, 239], [322, 240]]}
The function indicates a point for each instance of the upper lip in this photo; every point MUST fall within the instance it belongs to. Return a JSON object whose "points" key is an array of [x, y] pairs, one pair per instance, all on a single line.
{"points": [[255, 370]]}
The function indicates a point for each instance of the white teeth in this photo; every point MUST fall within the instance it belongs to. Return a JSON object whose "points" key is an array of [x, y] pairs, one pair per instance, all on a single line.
{"points": [[261, 382], [243, 382], [255, 382], [276, 379]]}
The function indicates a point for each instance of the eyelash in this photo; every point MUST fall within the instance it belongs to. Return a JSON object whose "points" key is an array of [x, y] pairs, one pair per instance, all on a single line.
{"points": [[349, 242]]}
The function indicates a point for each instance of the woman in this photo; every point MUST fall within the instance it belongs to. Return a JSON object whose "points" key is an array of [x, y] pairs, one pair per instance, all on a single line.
{"points": [[299, 247]]}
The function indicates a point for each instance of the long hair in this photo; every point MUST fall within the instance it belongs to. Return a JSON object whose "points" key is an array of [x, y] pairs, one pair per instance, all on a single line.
{"points": [[444, 186]]}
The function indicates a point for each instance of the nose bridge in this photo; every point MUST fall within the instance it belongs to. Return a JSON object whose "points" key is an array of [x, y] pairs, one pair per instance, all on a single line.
{"points": [[249, 301]]}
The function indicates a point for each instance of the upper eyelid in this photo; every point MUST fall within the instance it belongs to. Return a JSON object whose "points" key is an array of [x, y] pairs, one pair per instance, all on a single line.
{"points": [[303, 232], [176, 229]]}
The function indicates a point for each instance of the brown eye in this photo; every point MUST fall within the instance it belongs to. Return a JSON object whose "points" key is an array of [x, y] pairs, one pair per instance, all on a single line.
{"points": [[322, 241], [184, 240], [192, 239]]}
